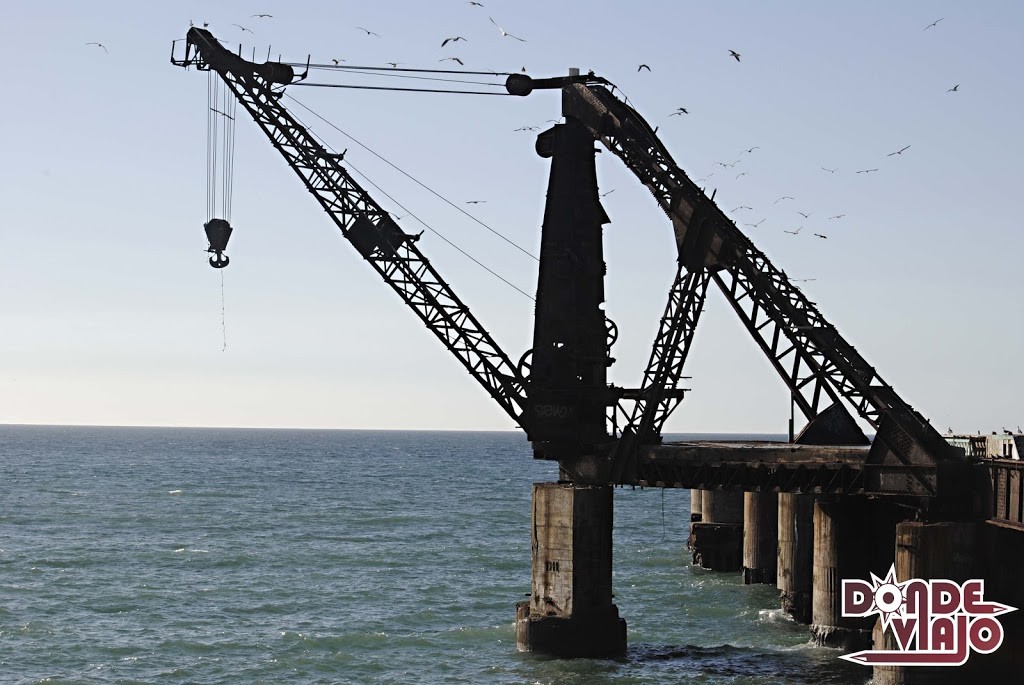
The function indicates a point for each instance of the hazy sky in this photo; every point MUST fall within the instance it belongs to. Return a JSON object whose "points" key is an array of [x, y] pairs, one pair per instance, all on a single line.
{"points": [[109, 313]]}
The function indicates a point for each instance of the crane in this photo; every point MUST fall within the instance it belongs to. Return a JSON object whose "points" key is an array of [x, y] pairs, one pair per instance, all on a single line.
{"points": [[558, 389]]}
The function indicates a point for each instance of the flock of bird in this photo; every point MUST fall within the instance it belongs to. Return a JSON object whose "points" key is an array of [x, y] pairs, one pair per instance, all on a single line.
{"points": [[679, 111]]}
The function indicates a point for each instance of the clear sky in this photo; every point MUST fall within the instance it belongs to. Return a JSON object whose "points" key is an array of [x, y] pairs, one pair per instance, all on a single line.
{"points": [[109, 313]]}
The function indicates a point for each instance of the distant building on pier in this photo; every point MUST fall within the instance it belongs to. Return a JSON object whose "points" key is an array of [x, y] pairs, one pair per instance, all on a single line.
{"points": [[1005, 445]]}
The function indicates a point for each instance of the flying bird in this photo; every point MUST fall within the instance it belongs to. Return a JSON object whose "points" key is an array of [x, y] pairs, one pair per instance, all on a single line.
{"points": [[454, 39], [735, 54], [898, 152], [100, 45], [821, 236], [784, 197], [643, 66], [801, 280], [736, 209], [243, 28], [837, 216], [933, 23], [806, 216], [337, 61], [755, 225], [681, 110], [527, 128], [368, 31], [831, 171], [504, 33], [742, 173], [749, 150], [796, 231], [263, 16], [478, 4], [452, 59], [475, 202], [954, 89], [608, 193], [866, 171]]}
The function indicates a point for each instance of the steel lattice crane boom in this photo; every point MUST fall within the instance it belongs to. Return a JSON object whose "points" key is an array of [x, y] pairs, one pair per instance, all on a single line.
{"points": [[370, 229]]}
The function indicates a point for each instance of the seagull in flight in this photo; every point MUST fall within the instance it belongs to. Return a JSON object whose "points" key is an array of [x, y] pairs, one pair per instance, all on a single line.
{"points": [[866, 171], [837, 216], [954, 89], [504, 33], [801, 280], [735, 54], [736, 209], [454, 39], [831, 171], [806, 216], [337, 61], [643, 66], [749, 150], [681, 110], [898, 152], [472, 2], [755, 225], [784, 197], [394, 65], [825, 237], [796, 231], [263, 16], [368, 31], [934, 23], [475, 202], [742, 173], [243, 28], [527, 128], [452, 59], [608, 193], [100, 45]]}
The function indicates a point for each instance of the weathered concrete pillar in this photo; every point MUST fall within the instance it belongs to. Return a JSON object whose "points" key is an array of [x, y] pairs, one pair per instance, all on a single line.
{"points": [[696, 502], [717, 540], [796, 554], [842, 545], [930, 551], [570, 612], [760, 537]]}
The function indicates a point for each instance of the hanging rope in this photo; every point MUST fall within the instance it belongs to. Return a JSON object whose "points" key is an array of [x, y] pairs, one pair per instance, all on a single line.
{"points": [[223, 324]]}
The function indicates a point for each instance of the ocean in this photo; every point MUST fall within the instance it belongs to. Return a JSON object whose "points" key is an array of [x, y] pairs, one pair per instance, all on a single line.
{"points": [[242, 556]]}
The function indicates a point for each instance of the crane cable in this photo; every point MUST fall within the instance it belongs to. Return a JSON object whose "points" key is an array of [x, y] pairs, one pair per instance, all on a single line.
{"points": [[220, 140], [406, 209], [414, 180]]}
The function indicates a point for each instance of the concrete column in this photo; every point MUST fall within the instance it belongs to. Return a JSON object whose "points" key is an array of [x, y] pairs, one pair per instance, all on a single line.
{"points": [[696, 502], [929, 551], [570, 612], [717, 540], [842, 546], [796, 554], [760, 537]]}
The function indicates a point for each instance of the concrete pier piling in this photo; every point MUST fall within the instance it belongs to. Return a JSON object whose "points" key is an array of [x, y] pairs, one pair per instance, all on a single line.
{"points": [[842, 549], [760, 537], [795, 554], [717, 540], [570, 612]]}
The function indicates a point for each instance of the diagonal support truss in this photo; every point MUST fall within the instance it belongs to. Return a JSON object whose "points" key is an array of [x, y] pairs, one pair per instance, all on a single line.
{"points": [[659, 394], [810, 355], [391, 252]]}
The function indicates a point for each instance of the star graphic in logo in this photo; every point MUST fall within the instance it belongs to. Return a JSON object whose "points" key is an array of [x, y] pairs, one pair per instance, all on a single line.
{"points": [[890, 597]]}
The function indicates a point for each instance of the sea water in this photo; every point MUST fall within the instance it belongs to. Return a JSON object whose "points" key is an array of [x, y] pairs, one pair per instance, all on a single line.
{"points": [[176, 555]]}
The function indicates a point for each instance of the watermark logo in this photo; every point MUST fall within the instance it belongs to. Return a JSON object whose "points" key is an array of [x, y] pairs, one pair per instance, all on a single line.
{"points": [[935, 622]]}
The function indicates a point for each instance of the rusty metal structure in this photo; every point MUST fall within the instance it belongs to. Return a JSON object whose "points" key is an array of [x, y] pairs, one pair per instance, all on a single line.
{"points": [[559, 392]]}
